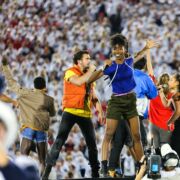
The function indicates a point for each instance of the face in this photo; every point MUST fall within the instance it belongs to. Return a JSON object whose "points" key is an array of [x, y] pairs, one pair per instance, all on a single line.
{"points": [[172, 82], [118, 51], [85, 61]]}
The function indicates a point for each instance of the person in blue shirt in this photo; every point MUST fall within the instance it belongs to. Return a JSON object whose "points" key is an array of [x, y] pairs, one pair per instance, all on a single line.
{"points": [[145, 89]]}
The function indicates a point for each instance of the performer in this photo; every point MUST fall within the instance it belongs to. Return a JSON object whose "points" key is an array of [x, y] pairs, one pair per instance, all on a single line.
{"points": [[145, 89], [77, 99], [36, 107], [123, 101], [158, 113], [174, 103]]}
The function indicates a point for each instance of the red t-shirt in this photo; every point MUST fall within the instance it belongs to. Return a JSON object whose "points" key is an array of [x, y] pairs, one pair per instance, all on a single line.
{"points": [[158, 113]]}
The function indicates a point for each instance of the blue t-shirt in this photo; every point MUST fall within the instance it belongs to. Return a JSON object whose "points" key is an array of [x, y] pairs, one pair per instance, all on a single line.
{"points": [[124, 79], [145, 87]]}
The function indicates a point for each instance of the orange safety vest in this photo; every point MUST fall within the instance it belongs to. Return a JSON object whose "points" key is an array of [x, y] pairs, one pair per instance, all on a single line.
{"points": [[74, 96]]}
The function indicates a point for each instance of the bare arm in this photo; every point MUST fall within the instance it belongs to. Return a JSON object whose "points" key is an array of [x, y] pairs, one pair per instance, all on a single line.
{"points": [[99, 73], [149, 63], [99, 109], [176, 113], [95, 76], [164, 100], [79, 80]]}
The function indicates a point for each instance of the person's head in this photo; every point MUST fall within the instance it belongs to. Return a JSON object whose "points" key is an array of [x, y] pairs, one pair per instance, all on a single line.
{"points": [[82, 59], [39, 83], [163, 80], [140, 64], [8, 125], [119, 46], [170, 158], [174, 82]]}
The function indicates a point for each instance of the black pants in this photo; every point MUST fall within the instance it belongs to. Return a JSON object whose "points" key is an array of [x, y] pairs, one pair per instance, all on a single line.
{"points": [[86, 126], [175, 137], [123, 137]]}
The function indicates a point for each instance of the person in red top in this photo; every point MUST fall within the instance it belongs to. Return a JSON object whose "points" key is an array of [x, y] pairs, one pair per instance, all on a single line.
{"points": [[158, 113], [174, 103]]}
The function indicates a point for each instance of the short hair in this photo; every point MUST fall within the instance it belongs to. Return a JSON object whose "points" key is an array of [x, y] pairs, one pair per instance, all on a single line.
{"points": [[140, 64], [120, 40], [78, 55], [39, 83]]}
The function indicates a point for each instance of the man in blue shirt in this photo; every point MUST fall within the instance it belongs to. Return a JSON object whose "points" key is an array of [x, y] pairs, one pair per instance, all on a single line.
{"points": [[145, 89]]}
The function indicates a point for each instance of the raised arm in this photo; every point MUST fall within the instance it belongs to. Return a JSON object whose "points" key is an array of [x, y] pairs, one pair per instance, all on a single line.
{"points": [[12, 83], [164, 100], [149, 63]]}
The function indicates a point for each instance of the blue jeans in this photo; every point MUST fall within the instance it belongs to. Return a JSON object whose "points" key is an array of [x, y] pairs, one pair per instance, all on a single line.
{"points": [[33, 135]]}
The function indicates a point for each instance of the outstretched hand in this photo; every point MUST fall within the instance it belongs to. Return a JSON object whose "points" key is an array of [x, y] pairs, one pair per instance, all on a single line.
{"points": [[151, 44]]}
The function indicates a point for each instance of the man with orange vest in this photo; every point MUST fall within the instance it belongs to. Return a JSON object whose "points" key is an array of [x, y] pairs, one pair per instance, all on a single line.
{"points": [[77, 100]]}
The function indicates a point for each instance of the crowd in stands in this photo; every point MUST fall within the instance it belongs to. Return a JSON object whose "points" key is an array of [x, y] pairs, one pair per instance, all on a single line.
{"points": [[39, 37]]}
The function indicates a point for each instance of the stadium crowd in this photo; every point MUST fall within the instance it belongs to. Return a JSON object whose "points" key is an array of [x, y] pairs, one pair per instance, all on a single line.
{"points": [[39, 37]]}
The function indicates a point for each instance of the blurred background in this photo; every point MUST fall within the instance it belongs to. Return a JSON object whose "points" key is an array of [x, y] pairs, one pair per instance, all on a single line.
{"points": [[40, 36]]}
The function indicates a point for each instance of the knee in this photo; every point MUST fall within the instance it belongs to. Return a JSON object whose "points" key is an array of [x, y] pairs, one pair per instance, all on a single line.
{"points": [[108, 136]]}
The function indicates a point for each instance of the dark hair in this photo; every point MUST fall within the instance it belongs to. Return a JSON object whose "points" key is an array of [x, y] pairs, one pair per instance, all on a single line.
{"points": [[120, 40], [177, 77], [39, 83], [78, 55], [140, 64]]}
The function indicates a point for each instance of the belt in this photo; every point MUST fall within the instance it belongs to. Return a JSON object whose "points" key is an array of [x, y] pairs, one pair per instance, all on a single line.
{"points": [[122, 94]]}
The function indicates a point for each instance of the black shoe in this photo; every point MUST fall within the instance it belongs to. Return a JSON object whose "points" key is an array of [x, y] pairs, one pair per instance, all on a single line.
{"points": [[95, 174], [104, 169], [46, 172]]}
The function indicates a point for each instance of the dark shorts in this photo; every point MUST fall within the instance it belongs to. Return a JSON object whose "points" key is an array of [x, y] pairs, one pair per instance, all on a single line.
{"points": [[37, 136], [122, 107]]}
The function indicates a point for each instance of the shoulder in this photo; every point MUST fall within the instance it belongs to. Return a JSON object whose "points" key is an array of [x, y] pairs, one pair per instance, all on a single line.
{"points": [[69, 73], [129, 60]]}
